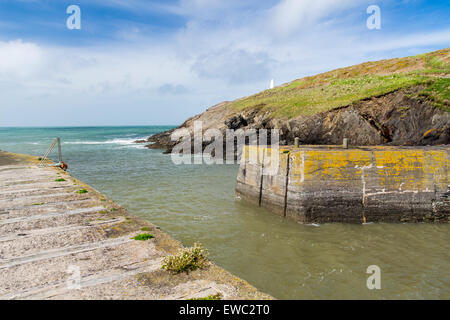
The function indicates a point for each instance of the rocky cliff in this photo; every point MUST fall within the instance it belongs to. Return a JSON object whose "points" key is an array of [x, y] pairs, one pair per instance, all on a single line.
{"points": [[404, 101]]}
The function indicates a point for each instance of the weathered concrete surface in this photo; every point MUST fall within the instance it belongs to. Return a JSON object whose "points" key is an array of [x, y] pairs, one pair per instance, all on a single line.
{"points": [[48, 231], [332, 184]]}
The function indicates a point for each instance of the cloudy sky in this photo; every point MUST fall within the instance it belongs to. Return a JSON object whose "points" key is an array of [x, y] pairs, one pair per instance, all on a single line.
{"points": [[136, 62]]}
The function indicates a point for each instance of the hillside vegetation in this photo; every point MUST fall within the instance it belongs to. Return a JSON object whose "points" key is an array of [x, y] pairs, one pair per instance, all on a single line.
{"points": [[403, 101], [342, 87]]}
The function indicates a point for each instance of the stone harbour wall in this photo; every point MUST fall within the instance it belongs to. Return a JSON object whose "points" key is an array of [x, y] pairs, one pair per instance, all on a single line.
{"points": [[363, 184]]}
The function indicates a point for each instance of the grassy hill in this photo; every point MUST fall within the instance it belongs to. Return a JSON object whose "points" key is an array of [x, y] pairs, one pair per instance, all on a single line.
{"points": [[403, 101], [342, 87]]}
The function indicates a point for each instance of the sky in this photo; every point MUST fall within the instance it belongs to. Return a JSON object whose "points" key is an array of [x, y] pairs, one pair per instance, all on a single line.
{"points": [[136, 62]]}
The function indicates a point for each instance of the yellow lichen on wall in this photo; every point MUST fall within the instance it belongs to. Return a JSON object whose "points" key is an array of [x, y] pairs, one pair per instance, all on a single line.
{"points": [[297, 167], [436, 163], [387, 167], [398, 169], [328, 165], [413, 170]]}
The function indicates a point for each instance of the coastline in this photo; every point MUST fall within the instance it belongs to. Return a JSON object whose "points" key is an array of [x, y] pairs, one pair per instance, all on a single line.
{"points": [[42, 238]]}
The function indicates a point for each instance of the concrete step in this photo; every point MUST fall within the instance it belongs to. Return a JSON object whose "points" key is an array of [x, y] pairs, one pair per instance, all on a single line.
{"points": [[40, 232], [13, 194], [9, 168], [63, 288], [30, 200], [50, 207], [51, 267], [59, 252], [76, 216], [37, 185], [35, 241], [21, 182], [12, 176]]}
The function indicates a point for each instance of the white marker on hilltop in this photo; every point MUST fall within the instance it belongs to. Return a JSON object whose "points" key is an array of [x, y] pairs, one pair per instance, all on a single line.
{"points": [[272, 84]]}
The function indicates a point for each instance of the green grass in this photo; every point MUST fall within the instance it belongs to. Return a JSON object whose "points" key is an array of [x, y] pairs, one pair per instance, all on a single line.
{"points": [[82, 191], [186, 259], [438, 92], [434, 65], [143, 237], [60, 180], [342, 87], [217, 296]]}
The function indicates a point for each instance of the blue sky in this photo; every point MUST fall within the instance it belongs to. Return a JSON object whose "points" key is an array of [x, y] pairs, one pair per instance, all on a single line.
{"points": [[138, 62]]}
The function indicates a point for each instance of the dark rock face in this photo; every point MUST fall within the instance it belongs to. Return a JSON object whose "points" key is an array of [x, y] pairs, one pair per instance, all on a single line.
{"points": [[236, 122], [392, 119], [397, 118]]}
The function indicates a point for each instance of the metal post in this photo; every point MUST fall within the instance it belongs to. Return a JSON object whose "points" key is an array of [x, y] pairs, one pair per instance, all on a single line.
{"points": [[297, 142], [59, 150], [345, 143]]}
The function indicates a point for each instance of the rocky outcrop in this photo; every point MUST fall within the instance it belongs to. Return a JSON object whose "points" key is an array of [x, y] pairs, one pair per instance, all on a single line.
{"points": [[398, 118]]}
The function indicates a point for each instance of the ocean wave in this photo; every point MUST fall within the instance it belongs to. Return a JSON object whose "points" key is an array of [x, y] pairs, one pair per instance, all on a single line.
{"points": [[83, 142], [120, 141]]}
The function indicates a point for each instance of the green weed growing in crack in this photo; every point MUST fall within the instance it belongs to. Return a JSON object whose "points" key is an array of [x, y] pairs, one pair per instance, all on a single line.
{"points": [[186, 259], [143, 237]]}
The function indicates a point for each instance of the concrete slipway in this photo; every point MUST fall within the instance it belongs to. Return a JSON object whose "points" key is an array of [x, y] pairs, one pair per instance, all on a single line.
{"points": [[56, 243]]}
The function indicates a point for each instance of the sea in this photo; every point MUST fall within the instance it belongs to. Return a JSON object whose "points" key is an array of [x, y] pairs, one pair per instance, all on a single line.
{"points": [[196, 203]]}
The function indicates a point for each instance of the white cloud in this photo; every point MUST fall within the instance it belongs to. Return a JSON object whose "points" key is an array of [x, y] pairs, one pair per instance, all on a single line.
{"points": [[20, 60], [235, 66], [289, 15], [167, 79], [173, 89], [420, 39]]}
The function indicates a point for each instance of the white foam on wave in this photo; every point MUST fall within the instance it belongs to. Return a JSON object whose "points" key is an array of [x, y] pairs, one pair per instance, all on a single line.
{"points": [[83, 142], [119, 141]]}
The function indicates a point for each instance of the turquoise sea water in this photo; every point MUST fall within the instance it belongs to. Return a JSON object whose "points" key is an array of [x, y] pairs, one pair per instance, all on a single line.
{"points": [[280, 257]]}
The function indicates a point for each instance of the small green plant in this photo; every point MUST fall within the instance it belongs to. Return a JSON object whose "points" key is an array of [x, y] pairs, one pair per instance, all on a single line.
{"points": [[82, 191], [103, 211], [186, 259], [60, 180], [217, 296], [438, 93], [113, 209], [143, 237], [38, 204], [145, 229]]}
